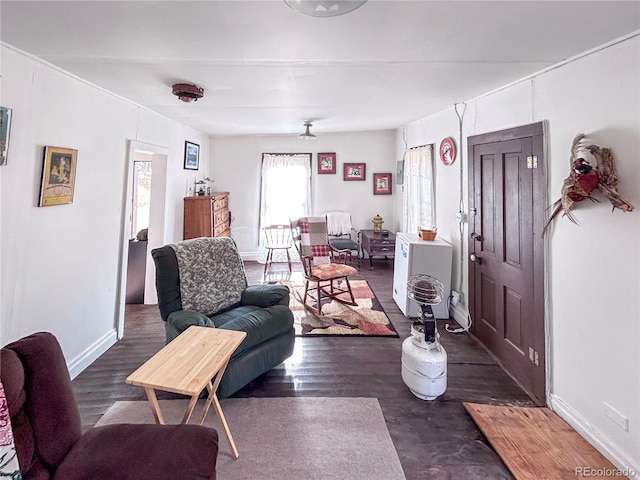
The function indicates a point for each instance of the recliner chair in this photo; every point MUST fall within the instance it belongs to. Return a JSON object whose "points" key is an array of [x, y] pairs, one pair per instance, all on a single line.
{"points": [[48, 433], [202, 282]]}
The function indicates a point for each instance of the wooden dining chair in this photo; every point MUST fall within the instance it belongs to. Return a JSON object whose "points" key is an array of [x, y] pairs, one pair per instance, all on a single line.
{"points": [[278, 238]]}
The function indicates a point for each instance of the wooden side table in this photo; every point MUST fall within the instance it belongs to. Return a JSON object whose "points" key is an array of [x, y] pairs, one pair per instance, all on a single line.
{"points": [[193, 361], [377, 245]]}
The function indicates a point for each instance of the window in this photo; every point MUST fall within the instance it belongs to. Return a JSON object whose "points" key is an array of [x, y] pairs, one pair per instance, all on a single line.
{"points": [[418, 199], [285, 189], [141, 197]]}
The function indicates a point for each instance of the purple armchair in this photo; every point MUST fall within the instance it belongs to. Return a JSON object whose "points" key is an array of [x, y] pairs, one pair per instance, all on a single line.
{"points": [[48, 436]]}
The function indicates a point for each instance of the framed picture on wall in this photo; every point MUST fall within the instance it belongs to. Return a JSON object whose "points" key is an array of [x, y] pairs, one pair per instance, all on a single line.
{"points": [[191, 156], [326, 163], [382, 184], [58, 176], [354, 171]]}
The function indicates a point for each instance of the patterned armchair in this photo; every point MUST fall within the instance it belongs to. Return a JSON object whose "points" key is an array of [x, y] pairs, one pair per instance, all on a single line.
{"points": [[324, 279]]}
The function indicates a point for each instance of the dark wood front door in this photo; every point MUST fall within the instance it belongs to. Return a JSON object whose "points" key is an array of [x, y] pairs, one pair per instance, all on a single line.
{"points": [[506, 262]]}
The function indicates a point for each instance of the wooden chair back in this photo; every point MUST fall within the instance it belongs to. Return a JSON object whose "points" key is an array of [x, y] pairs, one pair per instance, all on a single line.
{"points": [[312, 240], [277, 236]]}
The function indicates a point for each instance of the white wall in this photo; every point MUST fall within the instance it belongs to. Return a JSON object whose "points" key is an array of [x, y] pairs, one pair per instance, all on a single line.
{"points": [[60, 264], [236, 162], [592, 270]]}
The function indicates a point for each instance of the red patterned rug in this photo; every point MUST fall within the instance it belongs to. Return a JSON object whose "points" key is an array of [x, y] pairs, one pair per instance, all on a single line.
{"points": [[365, 319]]}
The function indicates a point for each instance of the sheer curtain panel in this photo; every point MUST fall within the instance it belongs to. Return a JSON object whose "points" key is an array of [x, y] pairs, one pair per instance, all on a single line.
{"points": [[418, 200], [285, 193]]}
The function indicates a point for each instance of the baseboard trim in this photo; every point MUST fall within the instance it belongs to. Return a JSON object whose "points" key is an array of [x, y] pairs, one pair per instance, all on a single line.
{"points": [[249, 256], [592, 435], [460, 316], [92, 353]]}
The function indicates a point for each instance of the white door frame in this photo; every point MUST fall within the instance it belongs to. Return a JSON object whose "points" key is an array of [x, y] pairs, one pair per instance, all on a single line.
{"points": [[159, 157]]}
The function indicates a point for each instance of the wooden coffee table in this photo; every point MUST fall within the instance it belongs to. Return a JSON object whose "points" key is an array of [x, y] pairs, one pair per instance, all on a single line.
{"points": [[187, 366]]}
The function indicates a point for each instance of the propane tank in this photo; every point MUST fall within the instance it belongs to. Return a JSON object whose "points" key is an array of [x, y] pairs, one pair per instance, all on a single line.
{"points": [[424, 364], [424, 360]]}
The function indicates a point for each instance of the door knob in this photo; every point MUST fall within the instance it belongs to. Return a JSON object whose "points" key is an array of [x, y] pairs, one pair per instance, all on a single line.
{"points": [[475, 259], [476, 237]]}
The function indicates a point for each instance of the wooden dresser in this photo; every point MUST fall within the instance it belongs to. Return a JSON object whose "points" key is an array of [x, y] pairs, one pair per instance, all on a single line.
{"points": [[207, 216]]}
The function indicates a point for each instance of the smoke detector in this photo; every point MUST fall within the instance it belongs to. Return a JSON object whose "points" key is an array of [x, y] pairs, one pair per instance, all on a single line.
{"points": [[187, 92]]}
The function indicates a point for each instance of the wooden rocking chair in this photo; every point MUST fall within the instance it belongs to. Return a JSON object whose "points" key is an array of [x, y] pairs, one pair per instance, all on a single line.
{"points": [[324, 279]]}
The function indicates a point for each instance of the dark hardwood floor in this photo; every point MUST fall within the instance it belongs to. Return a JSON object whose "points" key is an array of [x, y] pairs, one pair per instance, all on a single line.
{"points": [[434, 439]]}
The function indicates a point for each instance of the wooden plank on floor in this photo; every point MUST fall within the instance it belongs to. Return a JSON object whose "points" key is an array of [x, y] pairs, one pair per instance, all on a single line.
{"points": [[535, 443]]}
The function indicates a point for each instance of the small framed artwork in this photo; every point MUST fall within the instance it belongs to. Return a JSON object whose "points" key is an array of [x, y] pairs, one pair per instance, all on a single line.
{"points": [[354, 171], [5, 127], [448, 151], [58, 176], [382, 184], [191, 156], [326, 163]]}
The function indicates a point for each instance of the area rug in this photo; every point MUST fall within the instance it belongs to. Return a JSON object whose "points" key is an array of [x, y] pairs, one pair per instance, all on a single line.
{"points": [[289, 438], [365, 319], [536, 443]]}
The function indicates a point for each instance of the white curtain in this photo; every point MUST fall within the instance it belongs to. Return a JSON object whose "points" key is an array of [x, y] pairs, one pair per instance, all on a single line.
{"points": [[285, 193], [418, 200]]}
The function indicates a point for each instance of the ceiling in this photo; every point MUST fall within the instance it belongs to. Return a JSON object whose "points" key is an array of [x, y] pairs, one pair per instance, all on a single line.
{"points": [[266, 69]]}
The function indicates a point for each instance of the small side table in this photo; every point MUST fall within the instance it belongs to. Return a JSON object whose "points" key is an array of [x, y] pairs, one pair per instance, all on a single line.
{"points": [[377, 245], [196, 359]]}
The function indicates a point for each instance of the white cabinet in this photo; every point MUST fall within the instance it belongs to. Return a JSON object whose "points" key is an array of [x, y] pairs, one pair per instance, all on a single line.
{"points": [[414, 256]]}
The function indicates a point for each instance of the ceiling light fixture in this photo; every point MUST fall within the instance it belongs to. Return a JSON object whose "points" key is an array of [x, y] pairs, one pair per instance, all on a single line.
{"points": [[307, 135], [187, 92], [319, 8]]}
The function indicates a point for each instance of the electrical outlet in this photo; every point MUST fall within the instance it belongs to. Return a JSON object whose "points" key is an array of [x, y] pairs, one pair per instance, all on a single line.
{"points": [[461, 217], [456, 298]]}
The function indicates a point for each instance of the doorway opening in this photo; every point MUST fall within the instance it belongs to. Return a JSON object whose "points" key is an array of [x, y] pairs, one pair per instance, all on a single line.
{"points": [[142, 225], [138, 234]]}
